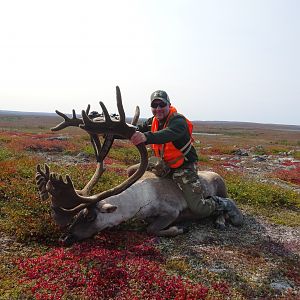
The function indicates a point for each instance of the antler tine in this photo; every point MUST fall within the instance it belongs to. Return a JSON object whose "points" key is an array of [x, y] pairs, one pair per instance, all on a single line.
{"points": [[96, 144], [67, 121], [100, 169], [105, 112], [41, 179], [136, 116], [108, 141], [88, 109], [44, 174], [74, 121], [100, 153], [120, 105]]}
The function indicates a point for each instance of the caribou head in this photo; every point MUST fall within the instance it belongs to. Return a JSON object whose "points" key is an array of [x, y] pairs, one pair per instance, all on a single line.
{"points": [[69, 204]]}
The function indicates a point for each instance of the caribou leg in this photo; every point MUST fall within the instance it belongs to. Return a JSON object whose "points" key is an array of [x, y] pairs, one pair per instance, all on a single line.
{"points": [[159, 225], [171, 231]]}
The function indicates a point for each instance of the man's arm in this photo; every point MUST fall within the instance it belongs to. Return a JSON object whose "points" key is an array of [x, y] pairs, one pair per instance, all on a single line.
{"points": [[176, 129], [145, 126]]}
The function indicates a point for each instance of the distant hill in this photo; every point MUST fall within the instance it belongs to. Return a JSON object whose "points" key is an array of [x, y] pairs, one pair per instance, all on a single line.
{"points": [[216, 124], [245, 125], [25, 113]]}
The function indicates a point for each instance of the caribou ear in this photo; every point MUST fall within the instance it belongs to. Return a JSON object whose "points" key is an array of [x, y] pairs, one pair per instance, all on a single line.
{"points": [[108, 208]]}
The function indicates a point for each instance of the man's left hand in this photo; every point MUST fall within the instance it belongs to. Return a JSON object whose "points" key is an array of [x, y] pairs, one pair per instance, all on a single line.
{"points": [[137, 138]]}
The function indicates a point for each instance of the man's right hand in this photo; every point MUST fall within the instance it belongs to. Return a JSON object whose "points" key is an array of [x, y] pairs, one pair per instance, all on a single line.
{"points": [[137, 138]]}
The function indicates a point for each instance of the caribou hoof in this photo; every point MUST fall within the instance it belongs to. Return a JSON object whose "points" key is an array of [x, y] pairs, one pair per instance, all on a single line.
{"points": [[220, 222], [67, 240], [220, 226], [183, 229]]}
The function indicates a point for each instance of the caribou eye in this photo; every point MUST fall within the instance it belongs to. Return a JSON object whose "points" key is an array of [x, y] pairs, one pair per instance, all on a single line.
{"points": [[91, 216]]}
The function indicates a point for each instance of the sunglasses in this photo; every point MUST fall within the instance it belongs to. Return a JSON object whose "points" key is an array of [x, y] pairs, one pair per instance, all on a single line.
{"points": [[160, 104]]}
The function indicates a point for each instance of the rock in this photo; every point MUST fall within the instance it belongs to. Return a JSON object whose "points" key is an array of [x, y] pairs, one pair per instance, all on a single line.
{"points": [[58, 138], [259, 158], [241, 152], [81, 156], [280, 286], [218, 270]]}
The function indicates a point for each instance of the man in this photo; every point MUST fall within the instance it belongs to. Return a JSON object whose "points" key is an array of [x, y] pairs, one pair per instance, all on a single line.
{"points": [[170, 135]]}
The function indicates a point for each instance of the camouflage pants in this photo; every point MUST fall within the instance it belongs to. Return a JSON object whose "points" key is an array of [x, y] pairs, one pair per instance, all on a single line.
{"points": [[187, 179]]}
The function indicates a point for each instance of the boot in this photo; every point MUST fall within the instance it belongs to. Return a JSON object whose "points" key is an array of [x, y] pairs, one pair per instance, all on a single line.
{"points": [[228, 207]]}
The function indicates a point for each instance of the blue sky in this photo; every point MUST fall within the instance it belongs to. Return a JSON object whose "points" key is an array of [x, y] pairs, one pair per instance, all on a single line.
{"points": [[231, 60]]}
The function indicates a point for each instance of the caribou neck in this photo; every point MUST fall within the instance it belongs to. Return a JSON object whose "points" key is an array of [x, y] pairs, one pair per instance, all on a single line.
{"points": [[132, 203]]}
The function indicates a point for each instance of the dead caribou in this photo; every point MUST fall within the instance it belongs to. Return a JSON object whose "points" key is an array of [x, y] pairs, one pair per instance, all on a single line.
{"points": [[149, 198]]}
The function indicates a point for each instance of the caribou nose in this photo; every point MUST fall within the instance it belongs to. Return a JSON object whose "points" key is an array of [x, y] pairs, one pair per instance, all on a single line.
{"points": [[67, 240]]}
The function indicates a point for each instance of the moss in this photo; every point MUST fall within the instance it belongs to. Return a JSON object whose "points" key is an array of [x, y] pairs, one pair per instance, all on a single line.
{"points": [[5, 154], [279, 216], [297, 155], [260, 194]]}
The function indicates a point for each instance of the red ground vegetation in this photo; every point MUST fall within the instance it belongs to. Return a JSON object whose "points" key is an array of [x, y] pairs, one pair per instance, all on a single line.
{"points": [[113, 266], [292, 175]]}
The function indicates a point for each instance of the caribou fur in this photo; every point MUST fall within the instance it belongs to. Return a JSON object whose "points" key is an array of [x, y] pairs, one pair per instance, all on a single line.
{"points": [[158, 201]]}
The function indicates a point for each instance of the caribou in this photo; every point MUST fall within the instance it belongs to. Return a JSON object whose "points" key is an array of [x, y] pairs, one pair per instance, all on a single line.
{"points": [[142, 195]]}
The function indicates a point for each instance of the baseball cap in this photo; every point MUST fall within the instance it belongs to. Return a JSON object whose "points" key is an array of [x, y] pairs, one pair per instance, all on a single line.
{"points": [[161, 95]]}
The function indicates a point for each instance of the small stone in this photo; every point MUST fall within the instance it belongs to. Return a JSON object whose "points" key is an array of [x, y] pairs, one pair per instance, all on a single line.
{"points": [[280, 285], [241, 152], [58, 138], [217, 270], [259, 158]]}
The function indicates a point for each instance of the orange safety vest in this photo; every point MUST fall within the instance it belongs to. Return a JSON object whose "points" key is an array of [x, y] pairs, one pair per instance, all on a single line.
{"points": [[172, 156]]}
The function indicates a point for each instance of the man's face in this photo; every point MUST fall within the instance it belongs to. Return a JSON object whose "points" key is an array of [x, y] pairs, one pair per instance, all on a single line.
{"points": [[160, 109]]}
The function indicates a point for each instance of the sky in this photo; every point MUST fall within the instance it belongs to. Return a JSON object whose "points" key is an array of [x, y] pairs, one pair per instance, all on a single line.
{"points": [[218, 60]]}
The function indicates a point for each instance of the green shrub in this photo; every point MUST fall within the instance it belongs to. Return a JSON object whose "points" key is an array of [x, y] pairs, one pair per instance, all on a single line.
{"points": [[259, 150], [297, 155], [128, 155], [256, 193], [203, 158], [5, 154], [88, 149]]}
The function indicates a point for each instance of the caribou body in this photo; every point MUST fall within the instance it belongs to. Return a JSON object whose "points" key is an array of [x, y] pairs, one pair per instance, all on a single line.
{"points": [[141, 196]]}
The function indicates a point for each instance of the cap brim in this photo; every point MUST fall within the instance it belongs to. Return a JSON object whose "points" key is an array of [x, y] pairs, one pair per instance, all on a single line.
{"points": [[159, 98]]}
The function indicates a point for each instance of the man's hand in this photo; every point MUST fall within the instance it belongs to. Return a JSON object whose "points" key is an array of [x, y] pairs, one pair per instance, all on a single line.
{"points": [[137, 138]]}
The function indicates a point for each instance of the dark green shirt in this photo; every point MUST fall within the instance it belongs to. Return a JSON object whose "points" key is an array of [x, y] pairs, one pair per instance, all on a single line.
{"points": [[177, 131]]}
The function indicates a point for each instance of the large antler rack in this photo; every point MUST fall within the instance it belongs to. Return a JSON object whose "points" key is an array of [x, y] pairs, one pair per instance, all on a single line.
{"points": [[117, 128], [95, 127]]}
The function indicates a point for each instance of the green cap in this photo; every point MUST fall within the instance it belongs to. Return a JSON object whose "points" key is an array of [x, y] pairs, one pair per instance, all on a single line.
{"points": [[161, 95]]}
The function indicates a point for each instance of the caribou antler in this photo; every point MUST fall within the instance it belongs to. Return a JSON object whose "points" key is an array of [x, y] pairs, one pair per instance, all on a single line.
{"points": [[100, 151], [100, 155], [117, 128], [136, 116], [41, 181], [64, 195], [74, 121]]}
